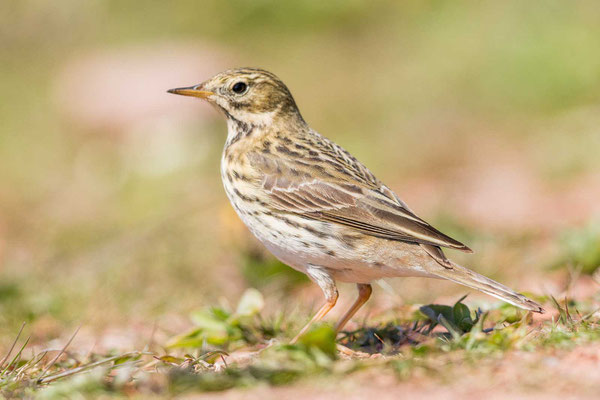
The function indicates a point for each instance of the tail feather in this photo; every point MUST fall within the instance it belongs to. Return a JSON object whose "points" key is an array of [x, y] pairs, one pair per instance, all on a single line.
{"points": [[472, 279]]}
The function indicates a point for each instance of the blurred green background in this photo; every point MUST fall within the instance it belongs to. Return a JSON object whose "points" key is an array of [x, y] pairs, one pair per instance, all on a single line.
{"points": [[484, 116]]}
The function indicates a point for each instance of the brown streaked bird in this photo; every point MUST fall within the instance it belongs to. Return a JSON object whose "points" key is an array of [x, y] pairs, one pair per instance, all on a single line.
{"points": [[315, 206]]}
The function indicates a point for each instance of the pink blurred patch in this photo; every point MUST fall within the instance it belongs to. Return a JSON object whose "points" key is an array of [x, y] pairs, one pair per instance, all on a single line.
{"points": [[106, 89], [497, 187]]}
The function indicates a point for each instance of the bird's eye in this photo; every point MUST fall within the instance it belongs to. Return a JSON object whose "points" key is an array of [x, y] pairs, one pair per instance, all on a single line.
{"points": [[239, 87]]}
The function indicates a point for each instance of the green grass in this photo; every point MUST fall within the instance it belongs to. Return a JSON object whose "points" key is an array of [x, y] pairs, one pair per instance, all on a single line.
{"points": [[241, 349]]}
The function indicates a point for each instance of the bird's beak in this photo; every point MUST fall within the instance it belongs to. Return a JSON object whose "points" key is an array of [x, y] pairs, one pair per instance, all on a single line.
{"points": [[193, 91]]}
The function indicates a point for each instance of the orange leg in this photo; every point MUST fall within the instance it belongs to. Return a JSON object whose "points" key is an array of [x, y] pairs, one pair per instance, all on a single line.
{"points": [[322, 278], [364, 292], [318, 316]]}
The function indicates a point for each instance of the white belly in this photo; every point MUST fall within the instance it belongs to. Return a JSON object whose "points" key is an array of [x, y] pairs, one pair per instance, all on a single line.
{"points": [[288, 239]]}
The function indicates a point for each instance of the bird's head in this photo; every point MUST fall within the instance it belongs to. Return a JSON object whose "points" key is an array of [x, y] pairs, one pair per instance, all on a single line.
{"points": [[249, 95]]}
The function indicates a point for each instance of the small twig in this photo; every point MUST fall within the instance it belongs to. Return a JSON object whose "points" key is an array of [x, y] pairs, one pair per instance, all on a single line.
{"points": [[567, 313], [16, 358], [40, 377], [152, 363], [33, 362], [415, 326], [587, 316], [378, 338], [13, 346], [73, 371], [224, 362]]}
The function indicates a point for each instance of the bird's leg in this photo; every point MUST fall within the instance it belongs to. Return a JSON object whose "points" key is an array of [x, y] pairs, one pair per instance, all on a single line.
{"points": [[318, 316], [364, 292], [327, 285]]}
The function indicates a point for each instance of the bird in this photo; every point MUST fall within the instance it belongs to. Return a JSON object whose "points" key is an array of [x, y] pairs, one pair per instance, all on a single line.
{"points": [[317, 208]]}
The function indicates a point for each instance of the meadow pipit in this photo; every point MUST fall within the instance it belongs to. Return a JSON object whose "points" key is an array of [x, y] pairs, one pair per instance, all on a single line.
{"points": [[315, 206]]}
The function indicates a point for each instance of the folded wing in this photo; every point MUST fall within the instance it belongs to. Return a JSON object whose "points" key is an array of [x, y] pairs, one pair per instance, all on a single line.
{"points": [[318, 194]]}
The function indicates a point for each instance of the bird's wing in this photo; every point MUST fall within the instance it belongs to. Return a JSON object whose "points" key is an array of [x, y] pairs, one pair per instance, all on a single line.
{"points": [[316, 192]]}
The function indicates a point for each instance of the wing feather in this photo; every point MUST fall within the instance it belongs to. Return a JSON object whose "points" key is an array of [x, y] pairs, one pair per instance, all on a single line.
{"points": [[370, 209]]}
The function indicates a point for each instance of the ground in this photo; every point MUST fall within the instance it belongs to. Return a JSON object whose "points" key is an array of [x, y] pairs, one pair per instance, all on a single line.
{"points": [[425, 352], [114, 229]]}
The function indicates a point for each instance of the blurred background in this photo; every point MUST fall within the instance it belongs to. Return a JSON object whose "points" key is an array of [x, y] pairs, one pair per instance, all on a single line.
{"points": [[483, 116]]}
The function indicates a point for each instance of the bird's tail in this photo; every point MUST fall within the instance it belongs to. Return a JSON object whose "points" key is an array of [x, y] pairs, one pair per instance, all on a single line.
{"points": [[472, 279]]}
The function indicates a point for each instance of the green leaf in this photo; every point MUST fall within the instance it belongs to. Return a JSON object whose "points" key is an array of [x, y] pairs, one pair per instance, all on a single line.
{"points": [[208, 322], [220, 313], [170, 359], [462, 317], [322, 337], [250, 304], [209, 329], [433, 311], [450, 327], [126, 358]]}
